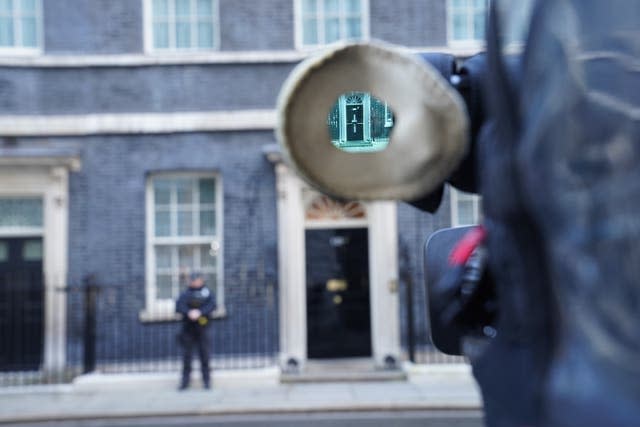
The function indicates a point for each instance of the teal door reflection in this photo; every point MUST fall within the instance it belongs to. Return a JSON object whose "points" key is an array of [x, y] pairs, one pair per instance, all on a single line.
{"points": [[360, 122]]}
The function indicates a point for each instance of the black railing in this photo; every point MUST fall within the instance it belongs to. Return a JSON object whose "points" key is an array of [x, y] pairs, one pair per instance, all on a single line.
{"points": [[112, 329]]}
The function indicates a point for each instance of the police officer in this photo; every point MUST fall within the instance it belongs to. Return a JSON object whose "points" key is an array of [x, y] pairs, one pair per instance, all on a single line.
{"points": [[195, 304]]}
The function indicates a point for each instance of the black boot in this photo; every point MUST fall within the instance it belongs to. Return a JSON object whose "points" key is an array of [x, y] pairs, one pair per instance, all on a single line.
{"points": [[184, 384]]}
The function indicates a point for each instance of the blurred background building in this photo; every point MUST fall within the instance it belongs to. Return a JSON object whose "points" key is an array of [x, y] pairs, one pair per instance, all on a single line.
{"points": [[137, 146]]}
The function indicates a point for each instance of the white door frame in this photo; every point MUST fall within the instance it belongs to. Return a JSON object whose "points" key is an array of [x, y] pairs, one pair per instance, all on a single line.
{"points": [[47, 178], [383, 269]]}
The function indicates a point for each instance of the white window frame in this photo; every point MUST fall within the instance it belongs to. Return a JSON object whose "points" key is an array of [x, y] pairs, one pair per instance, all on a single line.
{"points": [[147, 12], [470, 42], [298, 24], [455, 197], [164, 309], [17, 49]]}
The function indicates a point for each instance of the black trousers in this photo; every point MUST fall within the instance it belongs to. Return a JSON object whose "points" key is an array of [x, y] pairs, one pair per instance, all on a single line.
{"points": [[196, 336]]}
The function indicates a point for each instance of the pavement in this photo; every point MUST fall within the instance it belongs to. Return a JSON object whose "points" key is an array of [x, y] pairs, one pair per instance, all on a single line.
{"points": [[101, 396]]}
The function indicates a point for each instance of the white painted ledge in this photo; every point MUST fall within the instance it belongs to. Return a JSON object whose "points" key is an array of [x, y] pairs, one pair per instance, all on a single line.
{"points": [[39, 60], [136, 123]]}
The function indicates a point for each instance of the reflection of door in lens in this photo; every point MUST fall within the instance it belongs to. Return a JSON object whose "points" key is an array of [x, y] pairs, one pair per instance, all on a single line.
{"points": [[355, 126], [360, 122]]}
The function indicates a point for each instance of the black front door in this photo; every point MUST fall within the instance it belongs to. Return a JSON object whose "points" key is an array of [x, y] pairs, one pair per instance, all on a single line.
{"points": [[21, 304], [355, 122], [338, 312]]}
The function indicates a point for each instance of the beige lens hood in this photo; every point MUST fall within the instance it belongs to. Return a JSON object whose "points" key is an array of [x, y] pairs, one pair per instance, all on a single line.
{"points": [[427, 142]]}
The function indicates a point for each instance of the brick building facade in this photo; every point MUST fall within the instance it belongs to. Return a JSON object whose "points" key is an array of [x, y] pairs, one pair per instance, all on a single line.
{"points": [[144, 131]]}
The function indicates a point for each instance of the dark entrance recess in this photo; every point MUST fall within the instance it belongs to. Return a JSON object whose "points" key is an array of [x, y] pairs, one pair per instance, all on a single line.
{"points": [[21, 304], [338, 310]]}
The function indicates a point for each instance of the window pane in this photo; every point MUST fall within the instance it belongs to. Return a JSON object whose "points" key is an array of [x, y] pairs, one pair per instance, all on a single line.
{"points": [[21, 212], [185, 191], [466, 212], [183, 34], [29, 32], [207, 257], [163, 223], [6, 32], [162, 192], [4, 251], [459, 4], [205, 8], [160, 8], [460, 27], [331, 7], [28, 7], [164, 288], [32, 250], [185, 222], [331, 30], [6, 6], [354, 29], [186, 258], [207, 223], [353, 6], [310, 31], [207, 190], [479, 4], [161, 35], [309, 6], [205, 35], [478, 26], [211, 281], [163, 257], [183, 8]]}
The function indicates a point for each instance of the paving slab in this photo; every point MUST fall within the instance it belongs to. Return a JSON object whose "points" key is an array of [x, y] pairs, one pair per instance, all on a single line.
{"points": [[139, 396]]}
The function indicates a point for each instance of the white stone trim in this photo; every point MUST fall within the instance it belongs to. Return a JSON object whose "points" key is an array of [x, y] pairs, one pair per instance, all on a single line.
{"points": [[27, 59], [136, 123], [383, 273], [162, 58], [381, 223], [291, 267], [50, 182]]}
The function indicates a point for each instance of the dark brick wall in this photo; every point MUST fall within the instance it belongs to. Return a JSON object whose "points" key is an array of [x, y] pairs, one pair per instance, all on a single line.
{"points": [[92, 26], [140, 89], [414, 228], [409, 23], [107, 197], [256, 25], [107, 236]]}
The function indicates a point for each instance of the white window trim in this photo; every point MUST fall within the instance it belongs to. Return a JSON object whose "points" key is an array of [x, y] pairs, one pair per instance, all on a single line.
{"points": [[297, 18], [454, 197], [162, 310], [462, 44], [147, 13], [18, 49]]}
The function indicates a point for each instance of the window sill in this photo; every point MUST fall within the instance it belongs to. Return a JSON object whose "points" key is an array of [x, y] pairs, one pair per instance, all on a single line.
{"points": [[151, 315]]}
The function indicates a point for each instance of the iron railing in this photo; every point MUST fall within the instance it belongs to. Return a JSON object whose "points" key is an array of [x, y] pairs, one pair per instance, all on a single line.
{"points": [[109, 329]]}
